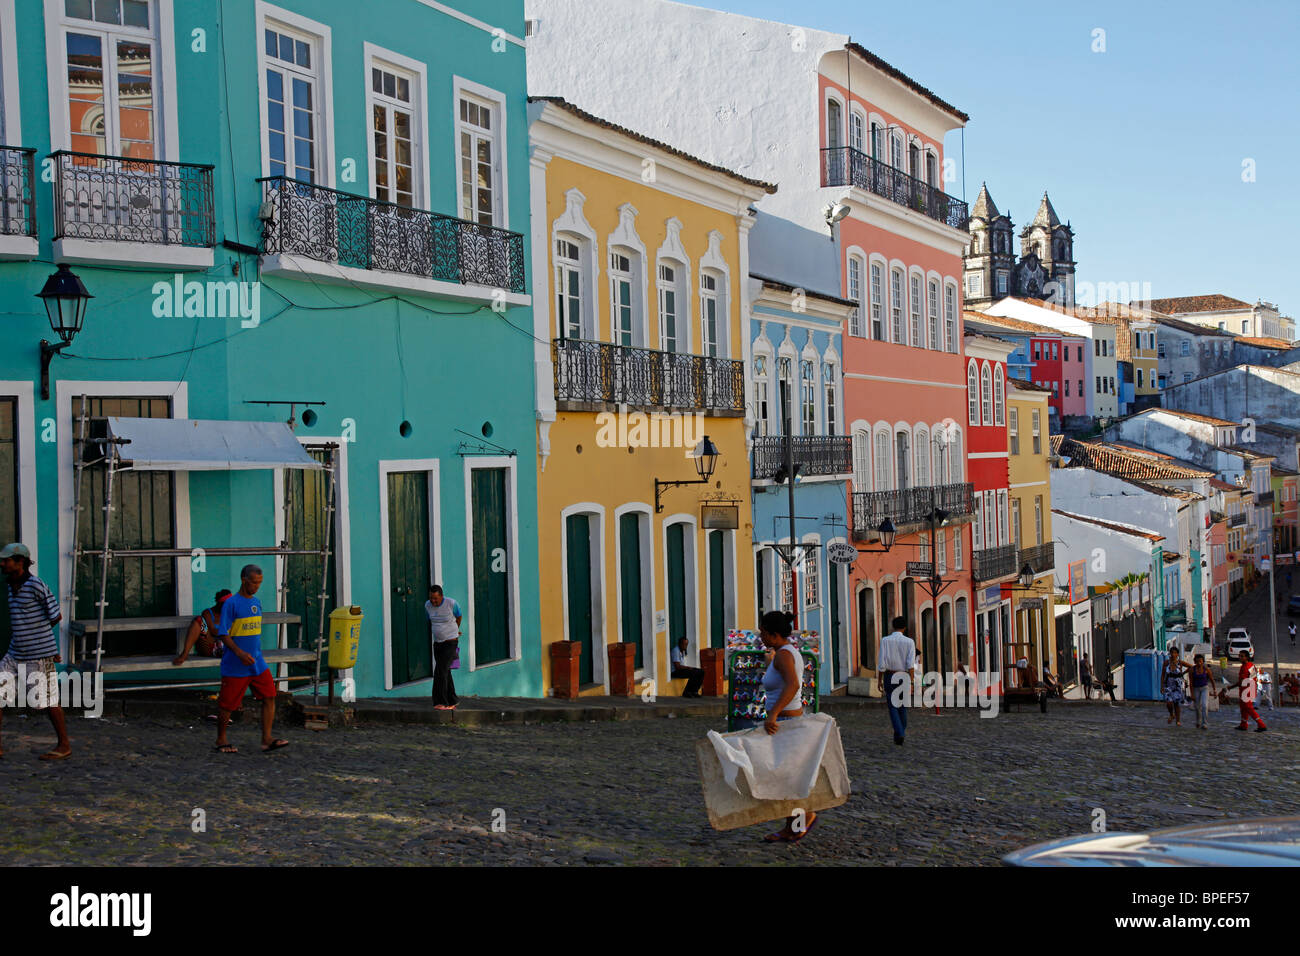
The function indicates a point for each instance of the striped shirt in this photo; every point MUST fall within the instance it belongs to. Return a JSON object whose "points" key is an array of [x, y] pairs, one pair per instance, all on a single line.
{"points": [[33, 608]]}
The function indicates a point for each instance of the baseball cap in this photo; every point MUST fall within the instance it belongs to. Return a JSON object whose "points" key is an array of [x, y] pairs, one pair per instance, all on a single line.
{"points": [[15, 550]]}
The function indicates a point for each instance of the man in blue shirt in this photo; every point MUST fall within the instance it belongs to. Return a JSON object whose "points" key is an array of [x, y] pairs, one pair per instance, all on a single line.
{"points": [[242, 665]]}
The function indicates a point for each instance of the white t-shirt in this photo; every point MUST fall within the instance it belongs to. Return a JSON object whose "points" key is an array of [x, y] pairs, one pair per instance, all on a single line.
{"points": [[443, 619]]}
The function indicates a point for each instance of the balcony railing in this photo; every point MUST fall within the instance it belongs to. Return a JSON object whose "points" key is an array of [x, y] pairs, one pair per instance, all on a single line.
{"points": [[363, 233], [815, 454], [846, 166], [1237, 520], [1264, 498], [132, 200], [990, 563], [597, 374], [17, 201], [1040, 557], [908, 506]]}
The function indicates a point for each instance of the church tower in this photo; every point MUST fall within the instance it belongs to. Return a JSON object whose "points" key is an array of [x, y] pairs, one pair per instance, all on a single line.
{"points": [[988, 262], [1047, 257]]}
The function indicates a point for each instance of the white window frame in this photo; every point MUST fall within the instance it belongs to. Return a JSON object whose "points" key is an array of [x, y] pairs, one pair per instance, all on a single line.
{"points": [[12, 129], [461, 87], [286, 21], [163, 35], [883, 460], [808, 372], [986, 394], [762, 359], [950, 307], [561, 269], [855, 276], [916, 309], [417, 74], [572, 225], [861, 458], [897, 306], [831, 395], [1003, 535], [972, 392], [1013, 430], [999, 395], [717, 297], [876, 294], [617, 277], [932, 310]]}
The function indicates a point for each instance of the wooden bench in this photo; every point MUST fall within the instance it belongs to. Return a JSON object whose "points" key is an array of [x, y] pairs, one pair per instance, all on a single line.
{"points": [[82, 632], [1025, 695]]}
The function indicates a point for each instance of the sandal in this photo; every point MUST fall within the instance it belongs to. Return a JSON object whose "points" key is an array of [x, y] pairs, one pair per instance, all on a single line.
{"points": [[806, 830], [274, 745], [55, 755], [777, 837], [226, 749]]}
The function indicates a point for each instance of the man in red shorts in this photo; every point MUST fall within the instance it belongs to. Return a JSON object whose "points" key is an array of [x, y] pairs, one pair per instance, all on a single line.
{"points": [[242, 665], [1248, 681]]}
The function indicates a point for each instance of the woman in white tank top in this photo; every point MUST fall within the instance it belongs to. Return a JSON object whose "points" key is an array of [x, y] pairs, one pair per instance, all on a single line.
{"points": [[783, 696]]}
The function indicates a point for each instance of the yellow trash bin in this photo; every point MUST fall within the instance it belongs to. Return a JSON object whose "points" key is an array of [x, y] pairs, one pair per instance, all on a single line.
{"points": [[345, 633]]}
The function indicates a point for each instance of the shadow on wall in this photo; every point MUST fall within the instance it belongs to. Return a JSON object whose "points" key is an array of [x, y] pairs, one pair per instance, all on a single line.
{"points": [[780, 249]]}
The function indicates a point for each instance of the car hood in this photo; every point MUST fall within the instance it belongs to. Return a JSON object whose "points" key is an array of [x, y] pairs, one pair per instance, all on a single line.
{"points": [[1265, 841]]}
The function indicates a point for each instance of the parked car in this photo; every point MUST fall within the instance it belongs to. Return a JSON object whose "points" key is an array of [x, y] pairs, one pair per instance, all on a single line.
{"points": [[1267, 841], [1238, 641], [1293, 605]]}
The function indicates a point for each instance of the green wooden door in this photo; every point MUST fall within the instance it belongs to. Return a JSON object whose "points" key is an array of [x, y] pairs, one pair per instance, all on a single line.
{"points": [[491, 566], [676, 583], [9, 504], [717, 589], [409, 576], [629, 569], [577, 529], [836, 625], [308, 523], [142, 517]]}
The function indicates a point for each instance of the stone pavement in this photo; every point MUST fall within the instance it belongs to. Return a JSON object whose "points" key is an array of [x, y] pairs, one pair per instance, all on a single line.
{"points": [[964, 790]]}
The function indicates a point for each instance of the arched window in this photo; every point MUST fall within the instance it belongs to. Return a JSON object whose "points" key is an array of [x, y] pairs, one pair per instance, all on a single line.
{"points": [[623, 319], [882, 461], [933, 303], [903, 465], [922, 457], [762, 361], [999, 397], [711, 314], [857, 138], [671, 338], [973, 392], [829, 383], [834, 125], [861, 460], [986, 393], [877, 303], [855, 295], [808, 397], [568, 287], [896, 307]]}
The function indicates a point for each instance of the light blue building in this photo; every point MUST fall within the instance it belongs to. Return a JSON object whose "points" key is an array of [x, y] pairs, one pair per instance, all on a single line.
{"points": [[274, 204], [798, 377]]}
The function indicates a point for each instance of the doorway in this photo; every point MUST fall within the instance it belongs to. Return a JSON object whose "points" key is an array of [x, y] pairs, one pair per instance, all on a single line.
{"points": [[410, 573]]}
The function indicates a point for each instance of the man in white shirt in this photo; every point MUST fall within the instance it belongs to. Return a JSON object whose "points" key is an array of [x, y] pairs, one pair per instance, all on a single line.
{"points": [[694, 675], [897, 656], [444, 624]]}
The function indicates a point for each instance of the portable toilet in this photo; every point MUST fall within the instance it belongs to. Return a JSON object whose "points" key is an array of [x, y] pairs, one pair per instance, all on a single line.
{"points": [[1142, 674]]}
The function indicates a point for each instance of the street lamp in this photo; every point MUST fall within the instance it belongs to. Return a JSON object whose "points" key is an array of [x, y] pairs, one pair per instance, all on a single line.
{"points": [[65, 299], [1027, 577], [706, 459]]}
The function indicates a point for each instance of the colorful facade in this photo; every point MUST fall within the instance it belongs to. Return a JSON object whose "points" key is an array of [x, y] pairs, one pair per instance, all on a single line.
{"points": [[640, 354], [1030, 489], [296, 172], [798, 381]]}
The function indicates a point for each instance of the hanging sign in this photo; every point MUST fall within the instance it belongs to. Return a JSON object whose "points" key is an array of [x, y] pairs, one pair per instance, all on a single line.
{"points": [[920, 569], [719, 516], [840, 553], [1031, 604]]}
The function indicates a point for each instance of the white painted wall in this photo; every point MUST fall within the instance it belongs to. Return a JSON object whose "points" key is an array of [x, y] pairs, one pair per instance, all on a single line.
{"points": [[1120, 554]]}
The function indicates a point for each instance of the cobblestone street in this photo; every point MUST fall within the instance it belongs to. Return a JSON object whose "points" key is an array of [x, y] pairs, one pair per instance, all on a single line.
{"points": [[964, 790]]}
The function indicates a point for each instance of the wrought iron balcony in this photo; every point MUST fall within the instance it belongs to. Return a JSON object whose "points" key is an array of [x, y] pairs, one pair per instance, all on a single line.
{"points": [[815, 454], [846, 166], [17, 201], [1237, 520], [1040, 557], [909, 506], [363, 233], [595, 375], [992, 563], [1264, 498], [132, 200]]}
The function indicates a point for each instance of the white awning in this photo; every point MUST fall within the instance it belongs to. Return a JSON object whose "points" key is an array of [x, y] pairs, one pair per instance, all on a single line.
{"points": [[185, 444]]}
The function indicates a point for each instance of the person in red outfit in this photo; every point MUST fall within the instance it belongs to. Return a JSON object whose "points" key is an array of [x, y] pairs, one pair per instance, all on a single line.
{"points": [[1249, 684]]}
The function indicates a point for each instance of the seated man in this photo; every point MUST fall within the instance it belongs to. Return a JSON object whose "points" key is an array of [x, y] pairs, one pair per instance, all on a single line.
{"points": [[1053, 685], [694, 675], [203, 631]]}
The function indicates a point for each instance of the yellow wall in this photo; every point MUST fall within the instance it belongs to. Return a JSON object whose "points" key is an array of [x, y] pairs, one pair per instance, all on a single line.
{"points": [[580, 471], [1032, 473]]}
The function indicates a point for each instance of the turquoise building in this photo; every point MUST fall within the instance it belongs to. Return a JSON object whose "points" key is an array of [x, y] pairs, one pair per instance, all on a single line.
{"points": [[797, 384], [277, 204]]}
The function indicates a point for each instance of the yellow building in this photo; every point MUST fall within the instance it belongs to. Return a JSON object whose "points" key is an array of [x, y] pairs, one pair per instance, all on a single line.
{"points": [[1029, 480], [640, 258]]}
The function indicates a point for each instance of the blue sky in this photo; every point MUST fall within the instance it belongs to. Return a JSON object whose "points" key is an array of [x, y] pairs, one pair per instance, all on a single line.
{"points": [[1140, 147]]}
